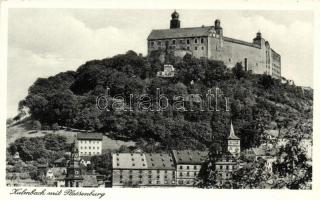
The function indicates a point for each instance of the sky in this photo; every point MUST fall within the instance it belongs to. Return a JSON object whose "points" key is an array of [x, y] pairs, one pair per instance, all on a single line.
{"points": [[45, 41]]}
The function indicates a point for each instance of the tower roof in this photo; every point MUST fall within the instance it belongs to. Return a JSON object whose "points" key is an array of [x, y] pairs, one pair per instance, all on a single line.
{"points": [[175, 14], [232, 136]]}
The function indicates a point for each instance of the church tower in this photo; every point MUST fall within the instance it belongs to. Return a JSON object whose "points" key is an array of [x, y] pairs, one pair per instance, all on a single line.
{"points": [[233, 142], [175, 22], [74, 177]]}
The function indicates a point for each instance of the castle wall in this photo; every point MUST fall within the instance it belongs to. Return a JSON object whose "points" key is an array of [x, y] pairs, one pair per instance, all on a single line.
{"points": [[251, 57]]}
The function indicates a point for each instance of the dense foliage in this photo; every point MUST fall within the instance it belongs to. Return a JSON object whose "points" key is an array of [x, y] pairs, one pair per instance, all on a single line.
{"points": [[69, 99]]}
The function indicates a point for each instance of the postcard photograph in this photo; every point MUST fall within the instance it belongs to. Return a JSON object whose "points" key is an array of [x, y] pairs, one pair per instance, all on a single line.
{"points": [[159, 98]]}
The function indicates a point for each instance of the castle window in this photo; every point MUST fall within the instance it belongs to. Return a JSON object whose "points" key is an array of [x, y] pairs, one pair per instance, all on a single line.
{"points": [[180, 167], [195, 40], [195, 167], [188, 174], [180, 173], [187, 167], [202, 40], [173, 42], [195, 173], [181, 41], [188, 41], [202, 48], [159, 43], [195, 48], [152, 43], [188, 48]]}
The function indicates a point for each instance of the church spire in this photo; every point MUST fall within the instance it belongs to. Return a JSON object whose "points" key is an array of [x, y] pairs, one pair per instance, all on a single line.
{"points": [[232, 136]]}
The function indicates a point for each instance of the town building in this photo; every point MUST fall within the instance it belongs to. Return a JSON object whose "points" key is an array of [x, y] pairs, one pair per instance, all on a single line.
{"points": [[89, 144], [74, 174], [233, 142], [142, 169], [168, 72], [209, 42], [224, 167], [188, 164]]}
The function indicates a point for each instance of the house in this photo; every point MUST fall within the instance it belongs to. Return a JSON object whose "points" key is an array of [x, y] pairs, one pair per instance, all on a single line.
{"points": [[188, 164], [85, 160], [61, 162], [168, 72], [89, 144], [224, 167]]}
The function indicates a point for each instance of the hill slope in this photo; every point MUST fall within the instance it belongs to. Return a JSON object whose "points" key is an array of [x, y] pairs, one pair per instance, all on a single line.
{"points": [[257, 102]]}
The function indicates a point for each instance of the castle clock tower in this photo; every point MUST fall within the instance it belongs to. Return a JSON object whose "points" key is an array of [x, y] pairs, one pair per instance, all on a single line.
{"points": [[233, 142], [74, 177]]}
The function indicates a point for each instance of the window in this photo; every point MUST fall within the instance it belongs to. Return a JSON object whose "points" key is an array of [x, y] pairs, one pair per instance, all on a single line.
{"points": [[202, 48], [220, 166], [181, 41], [150, 181], [195, 173], [227, 167], [195, 167], [159, 43], [173, 42], [180, 173], [180, 167], [187, 167], [93, 147], [195, 40], [85, 147], [130, 177], [195, 48], [120, 176], [188, 174], [152, 43], [188, 41], [188, 48], [202, 40], [89, 147], [97, 147]]}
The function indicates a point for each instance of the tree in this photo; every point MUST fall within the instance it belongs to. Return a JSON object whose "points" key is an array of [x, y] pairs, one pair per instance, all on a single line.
{"points": [[55, 127], [266, 81], [238, 71], [36, 125]]}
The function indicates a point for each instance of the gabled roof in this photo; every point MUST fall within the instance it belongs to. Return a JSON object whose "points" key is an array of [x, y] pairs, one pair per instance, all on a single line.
{"points": [[180, 32], [189, 157], [232, 136], [129, 161], [89, 136], [159, 161]]}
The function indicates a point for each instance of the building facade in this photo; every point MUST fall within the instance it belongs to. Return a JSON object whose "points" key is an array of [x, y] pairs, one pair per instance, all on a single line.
{"points": [[89, 144], [209, 42], [224, 167], [188, 164], [143, 169]]}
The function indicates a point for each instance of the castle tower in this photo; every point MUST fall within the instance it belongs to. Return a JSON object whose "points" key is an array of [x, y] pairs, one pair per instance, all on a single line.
{"points": [[175, 22], [74, 176], [258, 39], [233, 142], [217, 27]]}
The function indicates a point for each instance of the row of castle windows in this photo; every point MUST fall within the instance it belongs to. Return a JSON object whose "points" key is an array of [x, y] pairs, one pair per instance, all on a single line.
{"points": [[181, 41], [188, 167]]}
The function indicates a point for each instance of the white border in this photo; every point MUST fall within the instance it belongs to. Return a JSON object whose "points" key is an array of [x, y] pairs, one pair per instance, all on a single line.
{"points": [[171, 193]]}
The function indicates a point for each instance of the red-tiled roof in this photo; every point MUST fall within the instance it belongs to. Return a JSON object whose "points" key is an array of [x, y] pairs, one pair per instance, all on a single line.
{"points": [[89, 136]]}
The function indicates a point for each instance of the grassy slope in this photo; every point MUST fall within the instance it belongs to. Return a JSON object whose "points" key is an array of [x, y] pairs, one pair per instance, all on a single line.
{"points": [[23, 130]]}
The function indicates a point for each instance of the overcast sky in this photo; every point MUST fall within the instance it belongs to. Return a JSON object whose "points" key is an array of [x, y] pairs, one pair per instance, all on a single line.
{"points": [[44, 42]]}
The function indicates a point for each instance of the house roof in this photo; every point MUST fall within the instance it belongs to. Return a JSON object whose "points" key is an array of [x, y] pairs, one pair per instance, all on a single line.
{"points": [[189, 157], [180, 32], [90, 181], [89, 136], [159, 161], [129, 161]]}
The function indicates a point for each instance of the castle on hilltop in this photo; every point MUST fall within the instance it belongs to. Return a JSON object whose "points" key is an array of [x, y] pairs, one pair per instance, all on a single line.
{"points": [[209, 42]]}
